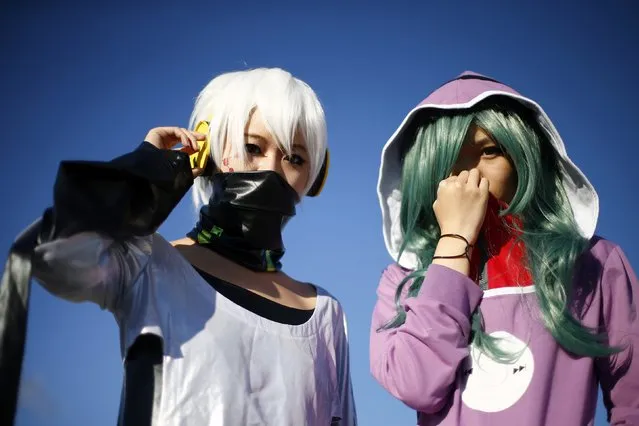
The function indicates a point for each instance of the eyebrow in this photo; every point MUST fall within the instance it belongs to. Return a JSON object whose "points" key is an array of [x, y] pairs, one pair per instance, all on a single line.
{"points": [[483, 141], [300, 146], [255, 136]]}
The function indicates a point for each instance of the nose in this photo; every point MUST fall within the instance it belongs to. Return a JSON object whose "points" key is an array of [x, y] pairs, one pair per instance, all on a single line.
{"points": [[465, 164], [273, 162]]}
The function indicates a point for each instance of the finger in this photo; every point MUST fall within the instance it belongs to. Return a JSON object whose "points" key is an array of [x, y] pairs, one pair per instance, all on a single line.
{"points": [[450, 180], [484, 186], [192, 139], [166, 137], [473, 178], [158, 137], [170, 136], [197, 172], [463, 177], [152, 138], [187, 149], [199, 136], [186, 140]]}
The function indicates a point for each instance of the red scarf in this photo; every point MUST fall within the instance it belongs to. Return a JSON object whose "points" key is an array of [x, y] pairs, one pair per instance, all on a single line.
{"points": [[506, 264]]}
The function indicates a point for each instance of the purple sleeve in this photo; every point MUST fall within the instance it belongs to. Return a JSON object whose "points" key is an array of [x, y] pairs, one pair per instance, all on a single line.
{"points": [[619, 374], [417, 362]]}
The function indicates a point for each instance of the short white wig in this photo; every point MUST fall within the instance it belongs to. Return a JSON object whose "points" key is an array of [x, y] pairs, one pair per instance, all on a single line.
{"points": [[287, 104]]}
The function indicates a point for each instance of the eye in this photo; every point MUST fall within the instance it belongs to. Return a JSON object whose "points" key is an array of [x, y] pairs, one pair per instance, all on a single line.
{"points": [[491, 151], [295, 159], [253, 149]]}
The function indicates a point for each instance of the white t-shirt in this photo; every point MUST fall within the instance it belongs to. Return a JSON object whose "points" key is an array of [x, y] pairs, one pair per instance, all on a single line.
{"points": [[223, 365]]}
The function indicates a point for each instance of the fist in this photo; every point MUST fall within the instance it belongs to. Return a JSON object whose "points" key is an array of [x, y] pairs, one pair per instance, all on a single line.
{"points": [[461, 203], [168, 137]]}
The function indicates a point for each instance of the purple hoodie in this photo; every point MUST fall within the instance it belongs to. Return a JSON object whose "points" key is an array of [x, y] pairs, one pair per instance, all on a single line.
{"points": [[428, 363]]}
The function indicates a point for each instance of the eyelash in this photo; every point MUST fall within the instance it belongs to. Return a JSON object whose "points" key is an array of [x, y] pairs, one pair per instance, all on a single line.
{"points": [[253, 149], [492, 151], [296, 160]]}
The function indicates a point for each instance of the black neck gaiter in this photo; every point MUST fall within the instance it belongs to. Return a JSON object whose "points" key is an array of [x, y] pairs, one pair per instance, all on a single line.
{"points": [[245, 216]]}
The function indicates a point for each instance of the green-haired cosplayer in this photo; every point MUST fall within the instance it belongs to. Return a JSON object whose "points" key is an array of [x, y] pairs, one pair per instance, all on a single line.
{"points": [[502, 308]]}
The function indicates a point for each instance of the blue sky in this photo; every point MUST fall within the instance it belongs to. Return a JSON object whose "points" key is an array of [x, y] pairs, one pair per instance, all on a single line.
{"points": [[83, 82]]}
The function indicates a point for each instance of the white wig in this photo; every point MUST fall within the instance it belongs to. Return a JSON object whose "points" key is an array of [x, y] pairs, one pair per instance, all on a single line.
{"points": [[287, 104]]}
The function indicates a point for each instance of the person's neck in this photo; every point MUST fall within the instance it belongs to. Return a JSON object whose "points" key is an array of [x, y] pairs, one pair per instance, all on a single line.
{"points": [[276, 286], [214, 263]]}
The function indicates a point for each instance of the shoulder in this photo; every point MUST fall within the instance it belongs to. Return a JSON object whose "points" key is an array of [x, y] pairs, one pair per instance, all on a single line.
{"points": [[333, 313], [599, 252], [395, 271], [601, 248], [603, 261], [163, 251], [326, 298], [158, 240], [332, 316], [160, 243], [391, 277], [606, 273]]}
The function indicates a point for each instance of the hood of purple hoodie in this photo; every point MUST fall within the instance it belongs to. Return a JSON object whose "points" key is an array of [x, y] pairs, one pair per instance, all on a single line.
{"points": [[465, 91]]}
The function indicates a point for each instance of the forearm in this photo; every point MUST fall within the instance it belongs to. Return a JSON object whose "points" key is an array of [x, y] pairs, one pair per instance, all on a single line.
{"points": [[417, 361]]}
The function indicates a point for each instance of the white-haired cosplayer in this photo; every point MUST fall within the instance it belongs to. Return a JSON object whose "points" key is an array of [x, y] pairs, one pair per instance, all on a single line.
{"points": [[212, 331]]}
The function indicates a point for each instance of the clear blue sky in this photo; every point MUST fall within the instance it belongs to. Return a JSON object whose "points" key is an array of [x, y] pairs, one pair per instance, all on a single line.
{"points": [[87, 83]]}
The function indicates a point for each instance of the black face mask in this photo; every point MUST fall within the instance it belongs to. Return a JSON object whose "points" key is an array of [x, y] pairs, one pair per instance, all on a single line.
{"points": [[244, 218]]}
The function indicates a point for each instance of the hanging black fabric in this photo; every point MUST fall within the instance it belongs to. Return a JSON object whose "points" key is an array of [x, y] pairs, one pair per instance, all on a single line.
{"points": [[129, 196]]}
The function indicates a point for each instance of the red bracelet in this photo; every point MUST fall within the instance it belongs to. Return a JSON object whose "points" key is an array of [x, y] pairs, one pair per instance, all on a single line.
{"points": [[466, 252]]}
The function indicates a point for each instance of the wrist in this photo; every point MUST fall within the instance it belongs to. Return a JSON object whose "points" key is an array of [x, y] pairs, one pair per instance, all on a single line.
{"points": [[454, 253], [453, 246], [469, 236]]}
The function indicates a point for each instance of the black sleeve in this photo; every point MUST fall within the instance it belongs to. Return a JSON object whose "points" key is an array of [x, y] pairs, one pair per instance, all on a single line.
{"points": [[129, 196]]}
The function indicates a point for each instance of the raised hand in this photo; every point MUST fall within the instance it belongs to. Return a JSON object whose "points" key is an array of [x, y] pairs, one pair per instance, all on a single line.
{"points": [[168, 137], [460, 209]]}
